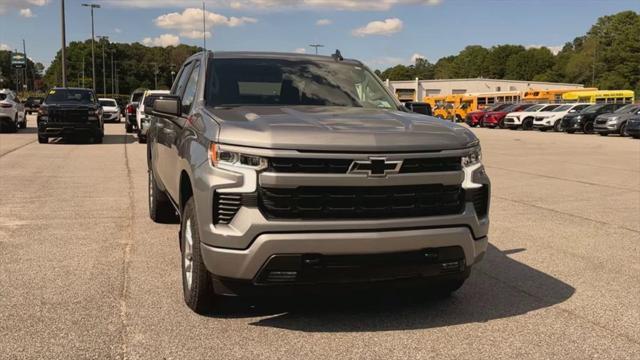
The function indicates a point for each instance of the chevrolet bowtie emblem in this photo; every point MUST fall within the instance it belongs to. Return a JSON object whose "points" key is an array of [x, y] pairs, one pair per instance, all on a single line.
{"points": [[378, 167]]}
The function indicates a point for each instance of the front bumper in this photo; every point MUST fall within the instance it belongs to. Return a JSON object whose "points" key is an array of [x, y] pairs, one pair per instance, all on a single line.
{"points": [[605, 128], [512, 122], [111, 116], [55, 129], [238, 249]]}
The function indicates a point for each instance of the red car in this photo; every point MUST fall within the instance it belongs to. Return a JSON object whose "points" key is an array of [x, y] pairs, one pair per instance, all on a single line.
{"points": [[475, 118], [495, 118]]}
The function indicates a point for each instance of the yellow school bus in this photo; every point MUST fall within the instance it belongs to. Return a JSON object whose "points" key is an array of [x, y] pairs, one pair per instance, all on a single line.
{"points": [[438, 105], [487, 99], [600, 96], [549, 96]]}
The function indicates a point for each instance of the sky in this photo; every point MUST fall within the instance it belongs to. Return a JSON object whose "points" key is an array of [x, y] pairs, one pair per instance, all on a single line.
{"points": [[381, 33]]}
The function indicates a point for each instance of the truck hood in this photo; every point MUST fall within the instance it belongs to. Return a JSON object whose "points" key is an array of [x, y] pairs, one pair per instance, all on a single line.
{"points": [[327, 129]]}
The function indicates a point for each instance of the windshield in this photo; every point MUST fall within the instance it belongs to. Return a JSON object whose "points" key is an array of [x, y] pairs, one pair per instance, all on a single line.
{"points": [[549, 107], [235, 82], [111, 103], [535, 108], [70, 96], [136, 97], [498, 107], [148, 101], [592, 108], [562, 108], [627, 109]]}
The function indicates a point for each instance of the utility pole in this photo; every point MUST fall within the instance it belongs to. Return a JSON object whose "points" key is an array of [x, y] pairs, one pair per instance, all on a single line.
{"points": [[64, 44], [112, 75], [155, 75], [316, 46], [117, 85], [204, 29], [83, 70], [26, 64], [93, 40], [103, 40]]}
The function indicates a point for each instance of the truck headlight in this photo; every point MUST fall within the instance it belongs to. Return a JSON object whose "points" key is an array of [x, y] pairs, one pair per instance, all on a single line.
{"points": [[613, 120], [219, 156], [473, 158]]}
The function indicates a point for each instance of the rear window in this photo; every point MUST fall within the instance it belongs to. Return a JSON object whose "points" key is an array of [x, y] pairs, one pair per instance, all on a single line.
{"points": [[580, 107], [108, 103], [67, 96], [136, 97], [148, 101]]}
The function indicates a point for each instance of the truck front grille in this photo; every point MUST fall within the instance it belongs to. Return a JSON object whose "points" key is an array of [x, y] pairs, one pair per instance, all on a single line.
{"points": [[321, 203], [68, 116], [341, 166]]}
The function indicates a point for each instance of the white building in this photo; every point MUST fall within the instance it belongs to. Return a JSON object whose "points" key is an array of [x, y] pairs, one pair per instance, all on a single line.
{"points": [[416, 90]]}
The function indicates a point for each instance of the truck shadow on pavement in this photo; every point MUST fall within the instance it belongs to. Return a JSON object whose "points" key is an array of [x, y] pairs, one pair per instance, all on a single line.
{"points": [[499, 287], [108, 139]]}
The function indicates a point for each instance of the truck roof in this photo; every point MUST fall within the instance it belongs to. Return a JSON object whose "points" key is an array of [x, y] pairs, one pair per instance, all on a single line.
{"points": [[271, 55]]}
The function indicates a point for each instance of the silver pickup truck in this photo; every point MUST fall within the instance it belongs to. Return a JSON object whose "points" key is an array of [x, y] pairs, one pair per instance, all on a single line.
{"points": [[289, 171]]}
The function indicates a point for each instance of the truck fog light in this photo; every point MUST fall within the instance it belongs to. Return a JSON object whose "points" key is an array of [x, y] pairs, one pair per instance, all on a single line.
{"points": [[282, 276]]}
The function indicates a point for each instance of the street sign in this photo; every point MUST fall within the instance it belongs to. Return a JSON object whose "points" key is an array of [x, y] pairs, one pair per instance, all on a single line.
{"points": [[18, 60]]}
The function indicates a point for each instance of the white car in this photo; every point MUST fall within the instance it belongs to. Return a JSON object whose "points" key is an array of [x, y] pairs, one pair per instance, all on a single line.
{"points": [[553, 119], [12, 115], [110, 109], [525, 119], [143, 119]]}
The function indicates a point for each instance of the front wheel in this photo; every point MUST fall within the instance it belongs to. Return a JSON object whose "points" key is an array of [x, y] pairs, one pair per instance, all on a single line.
{"points": [[623, 129], [43, 139], [587, 128], [127, 128], [501, 124], [196, 279], [527, 124], [603, 134], [557, 126]]}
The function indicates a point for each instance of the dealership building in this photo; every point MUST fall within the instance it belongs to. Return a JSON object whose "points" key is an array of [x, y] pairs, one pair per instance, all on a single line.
{"points": [[415, 90]]}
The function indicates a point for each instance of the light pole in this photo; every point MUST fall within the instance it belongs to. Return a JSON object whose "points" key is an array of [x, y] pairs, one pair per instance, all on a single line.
{"points": [[316, 46], [112, 71], [64, 44], [93, 40], [103, 40]]}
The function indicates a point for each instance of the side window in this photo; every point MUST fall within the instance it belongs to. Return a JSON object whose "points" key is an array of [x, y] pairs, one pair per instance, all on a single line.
{"points": [[190, 90], [182, 80]]}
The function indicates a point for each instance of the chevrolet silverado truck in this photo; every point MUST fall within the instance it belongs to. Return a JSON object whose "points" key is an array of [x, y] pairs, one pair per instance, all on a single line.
{"points": [[69, 112], [291, 171]]}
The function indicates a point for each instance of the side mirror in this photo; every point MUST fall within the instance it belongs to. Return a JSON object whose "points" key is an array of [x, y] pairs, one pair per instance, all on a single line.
{"points": [[167, 106]]}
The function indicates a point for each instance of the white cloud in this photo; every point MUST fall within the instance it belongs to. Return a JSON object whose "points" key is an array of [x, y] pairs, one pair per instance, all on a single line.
{"points": [[27, 13], [324, 22], [277, 5], [163, 40], [189, 22], [300, 50], [117, 30], [20, 4], [5, 47], [386, 28], [417, 56], [554, 49]]}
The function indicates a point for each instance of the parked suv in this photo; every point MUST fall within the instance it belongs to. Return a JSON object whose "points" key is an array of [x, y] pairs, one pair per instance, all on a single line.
{"points": [[476, 118], [130, 120], [583, 120], [616, 122], [69, 112], [32, 104], [110, 109], [12, 114], [142, 119], [633, 126], [299, 170]]}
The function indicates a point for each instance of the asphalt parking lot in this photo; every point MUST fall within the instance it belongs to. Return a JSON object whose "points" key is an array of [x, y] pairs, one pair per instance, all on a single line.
{"points": [[84, 273]]}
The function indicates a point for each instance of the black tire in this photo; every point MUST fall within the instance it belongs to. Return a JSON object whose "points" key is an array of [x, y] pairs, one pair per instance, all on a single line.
{"points": [[501, 124], [127, 128], [527, 123], [543, 129], [603, 134], [571, 131], [623, 129], [98, 139], [160, 208], [23, 124], [43, 139], [587, 128], [635, 136], [142, 139], [196, 279], [557, 126]]}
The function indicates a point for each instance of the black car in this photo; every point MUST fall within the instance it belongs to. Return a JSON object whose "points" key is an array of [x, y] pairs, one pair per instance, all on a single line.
{"points": [[32, 104], [583, 120], [67, 112], [633, 126]]}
